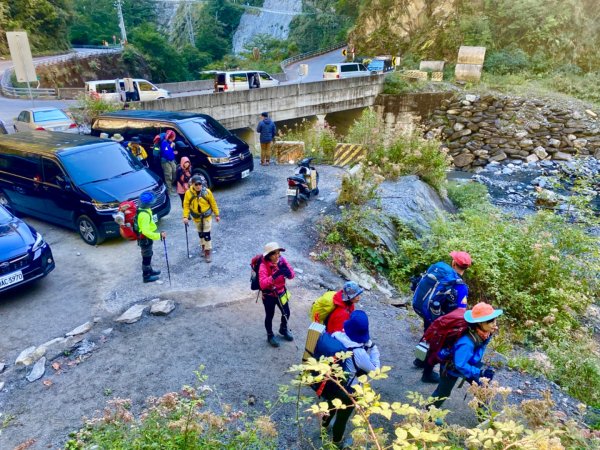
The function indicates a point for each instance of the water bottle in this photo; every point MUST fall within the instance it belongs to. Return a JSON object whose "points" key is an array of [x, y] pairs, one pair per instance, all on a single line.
{"points": [[435, 308]]}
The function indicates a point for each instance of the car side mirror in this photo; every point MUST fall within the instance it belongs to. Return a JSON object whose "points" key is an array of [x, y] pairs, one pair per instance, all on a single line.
{"points": [[64, 184]]}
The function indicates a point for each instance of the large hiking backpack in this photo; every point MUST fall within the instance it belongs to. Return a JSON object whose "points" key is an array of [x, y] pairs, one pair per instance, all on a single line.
{"points": [[327, 346], [322, 307], [435, 292], [127, 218], [443, 333], [255, 266]]}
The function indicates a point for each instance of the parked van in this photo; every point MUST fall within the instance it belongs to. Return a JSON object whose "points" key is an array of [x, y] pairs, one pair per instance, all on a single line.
{"points": [[114, 90], [73, 180], [213, 151], [242, 80], [381, 64], [344, 70]]}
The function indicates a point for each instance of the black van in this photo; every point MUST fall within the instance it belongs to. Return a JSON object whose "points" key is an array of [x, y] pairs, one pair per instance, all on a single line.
{"points": [[213, 151], [73, 180]]}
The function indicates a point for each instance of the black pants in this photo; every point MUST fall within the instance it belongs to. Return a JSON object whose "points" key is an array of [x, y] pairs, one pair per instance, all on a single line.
{"points": [[444, 389], [330, 392], [270, 302], [145, 245]]}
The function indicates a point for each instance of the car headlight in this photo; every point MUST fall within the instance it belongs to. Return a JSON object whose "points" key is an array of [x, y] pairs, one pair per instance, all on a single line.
{"points": [[39, 242], [105, 207], [218, 160]]}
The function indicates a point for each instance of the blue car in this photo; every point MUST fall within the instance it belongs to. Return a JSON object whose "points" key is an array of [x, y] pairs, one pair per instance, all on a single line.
{"points": [[24, 255]]}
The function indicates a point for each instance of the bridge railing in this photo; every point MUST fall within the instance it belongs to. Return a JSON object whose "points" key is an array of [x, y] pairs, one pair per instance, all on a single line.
{"points": [[286, 62]]}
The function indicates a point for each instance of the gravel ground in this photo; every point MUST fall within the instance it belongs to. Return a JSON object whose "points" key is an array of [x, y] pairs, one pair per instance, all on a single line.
{"points": [[216, 323]]}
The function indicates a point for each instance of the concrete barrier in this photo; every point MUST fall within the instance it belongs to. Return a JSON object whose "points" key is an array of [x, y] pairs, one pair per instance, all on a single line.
{"points": [[69, 93], [348, 154], [288, 152]]}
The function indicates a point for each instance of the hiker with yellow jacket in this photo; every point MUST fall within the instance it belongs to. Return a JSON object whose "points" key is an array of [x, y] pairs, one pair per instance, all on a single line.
{"points": [[200, 204]]}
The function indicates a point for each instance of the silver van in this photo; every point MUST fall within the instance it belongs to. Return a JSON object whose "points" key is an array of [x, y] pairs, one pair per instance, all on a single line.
{"points": [[114, 90], [344, 70]]}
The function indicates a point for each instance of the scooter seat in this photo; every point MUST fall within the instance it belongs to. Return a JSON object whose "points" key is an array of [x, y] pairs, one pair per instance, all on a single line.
{"points": [[297, 179]]}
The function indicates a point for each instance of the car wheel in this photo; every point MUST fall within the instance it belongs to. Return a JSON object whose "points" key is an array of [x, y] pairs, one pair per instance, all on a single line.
{"points": [[295, 204], [89, 231], [205, 174]]}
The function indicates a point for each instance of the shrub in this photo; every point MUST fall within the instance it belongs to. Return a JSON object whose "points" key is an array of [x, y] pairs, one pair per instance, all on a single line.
{"points": [[367, 131], [88, 108], [467, 195], [357, 189], [319, 140], [506, 61]]}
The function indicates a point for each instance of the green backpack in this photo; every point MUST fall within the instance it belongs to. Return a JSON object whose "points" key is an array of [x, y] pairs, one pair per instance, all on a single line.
{"points": [[322, 307]]}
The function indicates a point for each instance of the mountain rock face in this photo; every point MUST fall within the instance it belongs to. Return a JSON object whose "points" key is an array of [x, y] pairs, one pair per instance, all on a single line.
{"points": [[166, 13], [273, 19], [384, 25]]}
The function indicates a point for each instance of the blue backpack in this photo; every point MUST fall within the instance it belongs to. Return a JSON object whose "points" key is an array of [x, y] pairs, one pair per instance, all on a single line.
{"points": [[435, 291], [327, 345]]}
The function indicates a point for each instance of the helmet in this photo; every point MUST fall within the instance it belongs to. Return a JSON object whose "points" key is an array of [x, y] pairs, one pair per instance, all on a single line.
{"points": [[198, 179], [169, 134]]}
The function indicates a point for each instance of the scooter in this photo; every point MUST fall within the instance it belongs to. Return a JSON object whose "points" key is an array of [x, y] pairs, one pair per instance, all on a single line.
{"points": [[303, 184]]}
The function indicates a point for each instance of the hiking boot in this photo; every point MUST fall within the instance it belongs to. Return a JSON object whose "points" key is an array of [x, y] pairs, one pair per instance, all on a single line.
{"points": [[286, 335], [149, 278], [207, 256], [430, 377], [271, 340], [154, 272], [418, 363]]}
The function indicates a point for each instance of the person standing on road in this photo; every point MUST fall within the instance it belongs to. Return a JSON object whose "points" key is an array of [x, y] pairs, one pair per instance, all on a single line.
{"points": [[200, 203], [167, 159], [272, 274], [267, 131], [138, 151], [184, 175], [344, 302], [148, 233]]}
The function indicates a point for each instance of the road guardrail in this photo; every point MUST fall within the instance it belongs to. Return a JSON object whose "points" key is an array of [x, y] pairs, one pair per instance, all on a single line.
{"points": [[286, 62]]}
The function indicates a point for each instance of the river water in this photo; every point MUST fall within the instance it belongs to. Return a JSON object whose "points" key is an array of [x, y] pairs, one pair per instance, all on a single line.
{"points": [[273, 19]]}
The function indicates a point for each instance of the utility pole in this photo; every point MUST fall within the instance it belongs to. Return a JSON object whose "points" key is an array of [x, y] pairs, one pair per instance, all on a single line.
{"points": [[189, 23], [121, 22]]}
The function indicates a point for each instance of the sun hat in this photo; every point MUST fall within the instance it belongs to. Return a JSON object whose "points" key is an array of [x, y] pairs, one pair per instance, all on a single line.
{"points": [[357, 326], [117, 137], [271, 247], [147, 198], [482, 312], [103, 135], [351, 290], [463, 259]]}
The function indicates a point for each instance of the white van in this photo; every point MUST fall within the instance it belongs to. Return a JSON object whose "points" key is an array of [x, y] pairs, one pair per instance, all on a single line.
{"points": [[241, 80], [114, 90], [344, 70]]}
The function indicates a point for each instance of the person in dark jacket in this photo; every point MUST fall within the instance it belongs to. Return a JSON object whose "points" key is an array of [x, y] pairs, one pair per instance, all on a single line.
{"points": [[267, 130], [344, 302], [272, 273], [467, 353], [148, 233], [167, 159]]}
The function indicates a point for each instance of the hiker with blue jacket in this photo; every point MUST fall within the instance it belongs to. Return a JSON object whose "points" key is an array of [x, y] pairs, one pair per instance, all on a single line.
{"points": [[364, 359], [467, 353], [267, 131]]}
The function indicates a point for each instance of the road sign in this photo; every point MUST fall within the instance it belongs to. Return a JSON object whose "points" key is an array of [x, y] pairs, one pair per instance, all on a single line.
{"points": [[20, 53], [345, 51]]}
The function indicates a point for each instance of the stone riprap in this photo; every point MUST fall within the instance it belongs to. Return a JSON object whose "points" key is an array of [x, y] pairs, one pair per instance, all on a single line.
{"points": [[480, 129]]}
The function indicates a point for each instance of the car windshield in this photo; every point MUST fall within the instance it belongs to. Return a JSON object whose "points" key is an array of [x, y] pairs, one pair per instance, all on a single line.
{"points": [[203, 129], [49, 115], [5, 216], [99, 164]]}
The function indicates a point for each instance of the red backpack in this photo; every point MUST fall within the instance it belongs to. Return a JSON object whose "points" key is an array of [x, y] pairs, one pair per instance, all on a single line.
{"points": [[443, 334], [127, 218]]}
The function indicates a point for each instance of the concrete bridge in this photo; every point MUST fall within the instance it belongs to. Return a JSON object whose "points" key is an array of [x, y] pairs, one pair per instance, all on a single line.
{"points": [[237, 110]]}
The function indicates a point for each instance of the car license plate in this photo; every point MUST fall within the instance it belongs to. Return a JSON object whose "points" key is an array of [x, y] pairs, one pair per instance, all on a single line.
{"points": [[245, 173], [12, 278], [291, 192]]}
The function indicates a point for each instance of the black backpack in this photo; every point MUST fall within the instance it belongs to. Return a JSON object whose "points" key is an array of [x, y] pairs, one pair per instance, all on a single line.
{"points": [[255, 265]]}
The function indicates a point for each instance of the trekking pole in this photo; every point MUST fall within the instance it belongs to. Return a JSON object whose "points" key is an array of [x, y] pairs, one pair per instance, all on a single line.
{"points": [[287, 322], [187, 242], [167, 259]]}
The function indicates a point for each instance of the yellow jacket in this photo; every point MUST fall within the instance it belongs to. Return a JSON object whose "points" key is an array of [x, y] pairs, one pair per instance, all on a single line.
{"points": [[137, 150], [199, 206]]}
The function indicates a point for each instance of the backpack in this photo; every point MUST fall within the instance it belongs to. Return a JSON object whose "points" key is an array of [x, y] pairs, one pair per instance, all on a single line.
{"points": [[255, 266], [327, 346], [443, 333], [322, 307], [127, 218], [435, 293]]}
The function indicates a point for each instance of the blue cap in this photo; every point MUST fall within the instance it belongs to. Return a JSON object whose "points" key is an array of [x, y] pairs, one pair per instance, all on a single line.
{"points": [[357, 327], [147, 198], [351, 290]]}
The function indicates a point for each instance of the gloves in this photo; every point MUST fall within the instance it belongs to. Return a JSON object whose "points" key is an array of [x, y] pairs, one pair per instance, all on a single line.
{"points": [[276, 274], [488, 373], [284, 269]]}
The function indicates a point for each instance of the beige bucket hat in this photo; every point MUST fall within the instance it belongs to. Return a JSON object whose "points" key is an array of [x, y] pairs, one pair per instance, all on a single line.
{"points": [[271, 247]]}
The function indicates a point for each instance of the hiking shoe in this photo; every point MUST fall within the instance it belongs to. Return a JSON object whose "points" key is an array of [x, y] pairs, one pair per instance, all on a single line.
{"points": [[149, 278], [271, 340], [154, 272], [207, 256], [418, 363], [432, 377], [287, 335]]}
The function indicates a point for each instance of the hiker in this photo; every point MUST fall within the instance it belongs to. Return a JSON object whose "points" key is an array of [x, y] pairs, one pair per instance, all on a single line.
{"points": [[167, 159], [344, 302], [365, 358], [155, 164], [200, 203], [148, 233], [467, 353], [272, 273], [138, 151], [183, 176], [267, 130]]}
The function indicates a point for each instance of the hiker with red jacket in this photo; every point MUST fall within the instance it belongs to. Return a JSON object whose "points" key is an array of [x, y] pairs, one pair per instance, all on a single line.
{"points": [[467, 353], [272, 274], [344, 302]]}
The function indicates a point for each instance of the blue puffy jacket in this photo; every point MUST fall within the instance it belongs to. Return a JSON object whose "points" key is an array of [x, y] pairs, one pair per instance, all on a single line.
{"points": [[267, 130], [468, 356]]}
